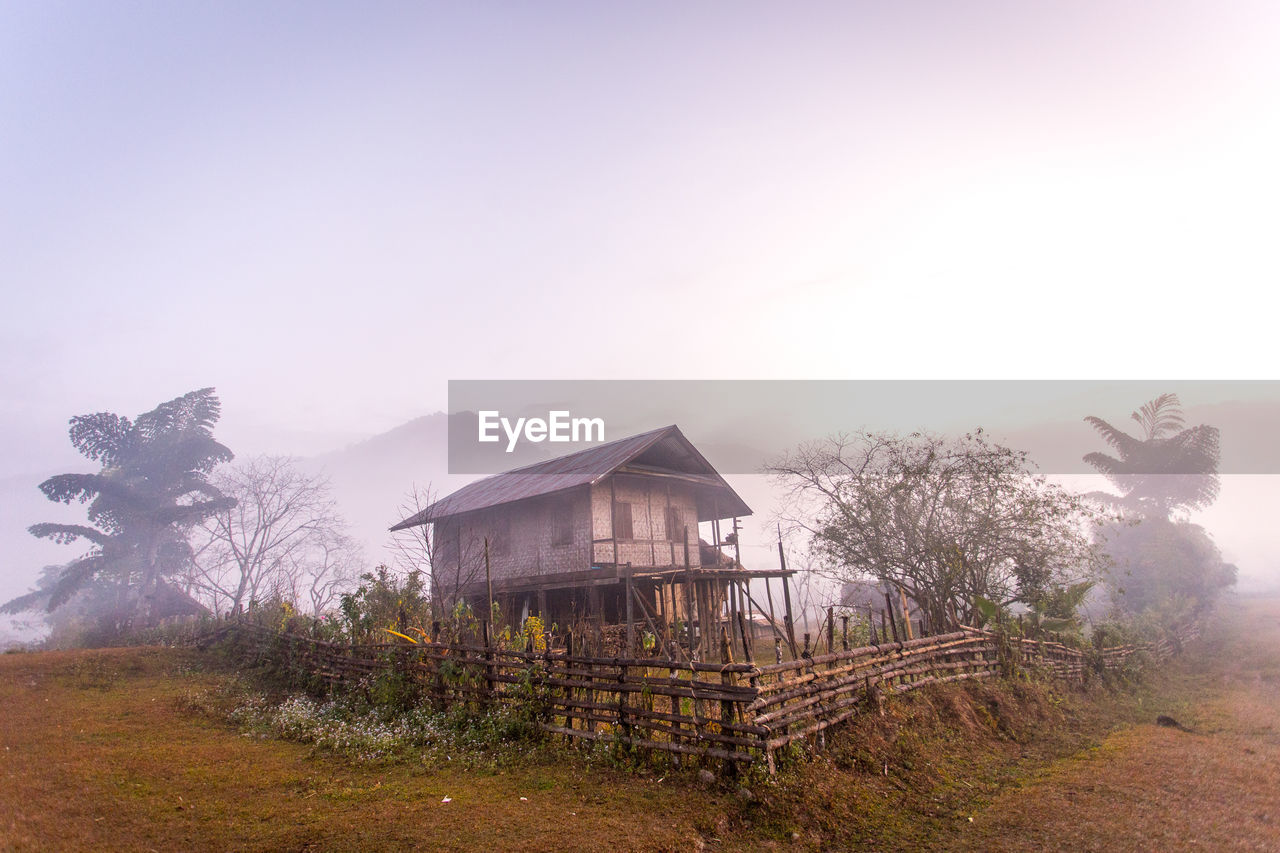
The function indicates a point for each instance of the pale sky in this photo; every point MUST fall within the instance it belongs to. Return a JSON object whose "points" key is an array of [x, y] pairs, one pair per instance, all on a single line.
{"points": [[329, 210]]}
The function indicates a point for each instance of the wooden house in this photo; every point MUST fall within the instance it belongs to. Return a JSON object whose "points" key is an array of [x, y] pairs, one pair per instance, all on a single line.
{"points": [[606, 536]]}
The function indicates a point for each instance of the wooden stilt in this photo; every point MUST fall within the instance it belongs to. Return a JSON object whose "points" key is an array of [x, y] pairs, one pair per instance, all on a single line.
{"points": [[688, 596], [631, 628]]}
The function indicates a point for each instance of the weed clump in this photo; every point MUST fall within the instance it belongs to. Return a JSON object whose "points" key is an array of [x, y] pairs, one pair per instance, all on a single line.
{"points": [[366, 733]]}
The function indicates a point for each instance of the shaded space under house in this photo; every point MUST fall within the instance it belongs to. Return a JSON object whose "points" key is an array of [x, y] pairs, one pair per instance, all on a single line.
{"points": [[605, 542]]}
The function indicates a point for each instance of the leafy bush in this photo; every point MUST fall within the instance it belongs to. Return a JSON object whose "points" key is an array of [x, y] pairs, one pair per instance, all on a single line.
{"points": [[384, 601], [1162, 563]]}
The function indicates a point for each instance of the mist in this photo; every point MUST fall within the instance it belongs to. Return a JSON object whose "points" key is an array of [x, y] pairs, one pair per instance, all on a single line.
{"points": [[330, 222]]}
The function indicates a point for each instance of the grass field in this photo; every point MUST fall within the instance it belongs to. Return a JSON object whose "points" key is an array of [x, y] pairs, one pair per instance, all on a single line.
{"points": [[117, 749]]}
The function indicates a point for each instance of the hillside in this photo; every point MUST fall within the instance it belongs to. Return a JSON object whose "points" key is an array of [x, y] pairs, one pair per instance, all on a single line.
{"points": [[372, 479]]}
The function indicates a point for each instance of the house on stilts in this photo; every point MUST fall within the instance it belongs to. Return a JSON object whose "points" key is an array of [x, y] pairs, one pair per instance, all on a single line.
{"points": [[606, 542]]}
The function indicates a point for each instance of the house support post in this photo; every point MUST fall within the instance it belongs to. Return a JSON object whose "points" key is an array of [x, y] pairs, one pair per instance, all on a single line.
{"points": [[631, 630], [688, 596]]}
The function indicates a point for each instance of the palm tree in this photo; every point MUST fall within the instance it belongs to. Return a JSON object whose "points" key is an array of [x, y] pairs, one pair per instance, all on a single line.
{"points": [[1170, 467], [151, 489]]}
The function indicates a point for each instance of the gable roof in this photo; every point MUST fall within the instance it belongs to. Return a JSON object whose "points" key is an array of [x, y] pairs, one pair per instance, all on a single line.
{"points": [[657, 451]]}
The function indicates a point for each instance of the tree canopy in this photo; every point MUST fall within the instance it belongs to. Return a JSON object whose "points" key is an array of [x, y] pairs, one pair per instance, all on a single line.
{"points": [[948, 521], [152, 486], [1170, 467], [1166, 565]]}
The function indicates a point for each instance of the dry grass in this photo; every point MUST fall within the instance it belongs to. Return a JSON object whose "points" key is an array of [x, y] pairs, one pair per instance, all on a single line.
{"points": [[100, 750], [108, 750], [1154, 788]]}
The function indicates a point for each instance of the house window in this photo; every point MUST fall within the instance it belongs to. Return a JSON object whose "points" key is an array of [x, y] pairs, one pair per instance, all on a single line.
{"points": [[500, 537], [675, 525], [622, 521], [562, 524]]}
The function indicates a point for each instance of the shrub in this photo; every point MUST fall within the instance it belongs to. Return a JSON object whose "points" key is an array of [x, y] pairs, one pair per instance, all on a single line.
{"points": [[384, 601]]}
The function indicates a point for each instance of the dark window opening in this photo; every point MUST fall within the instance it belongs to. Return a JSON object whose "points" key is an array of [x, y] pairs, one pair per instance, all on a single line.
{"points": [[622, 528], [675, 525], [562, 524]]}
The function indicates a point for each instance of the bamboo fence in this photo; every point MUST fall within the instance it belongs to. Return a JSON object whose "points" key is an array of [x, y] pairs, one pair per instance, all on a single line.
{"points": [[735, 713]]}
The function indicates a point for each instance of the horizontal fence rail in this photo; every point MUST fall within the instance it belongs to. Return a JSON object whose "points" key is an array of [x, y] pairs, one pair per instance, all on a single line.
{"points": [[735, 712]]}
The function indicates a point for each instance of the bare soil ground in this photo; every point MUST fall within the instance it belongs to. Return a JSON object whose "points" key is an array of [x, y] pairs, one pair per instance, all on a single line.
{"points": [[1149, 787], [106, 750]]}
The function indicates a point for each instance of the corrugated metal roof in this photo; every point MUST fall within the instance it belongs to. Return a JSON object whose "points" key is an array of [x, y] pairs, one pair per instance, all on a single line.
{"points": [[565, 472]]}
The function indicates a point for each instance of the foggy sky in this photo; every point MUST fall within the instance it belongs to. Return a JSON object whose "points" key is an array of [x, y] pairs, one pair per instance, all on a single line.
{"points": [[329, 210]]}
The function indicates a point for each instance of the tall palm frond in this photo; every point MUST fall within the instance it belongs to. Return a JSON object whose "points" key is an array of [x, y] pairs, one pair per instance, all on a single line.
{"points": [[63, 534], [101, 437], [1171, 468], [73, 578], [1120, 441], [1161, 415]]}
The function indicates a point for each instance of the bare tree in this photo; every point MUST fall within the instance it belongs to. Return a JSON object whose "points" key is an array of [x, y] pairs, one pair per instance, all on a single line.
{"points": [[812, 589], [284, 537], [450, 554], [414, 548], [334, 569]]}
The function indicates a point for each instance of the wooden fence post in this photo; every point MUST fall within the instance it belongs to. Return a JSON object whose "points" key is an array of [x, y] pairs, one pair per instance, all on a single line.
{"points": [[568, 690], [791, 622], [441, 697], [906, 614], [726, 705], [893, 622], [624, 719], [488, 658]]}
